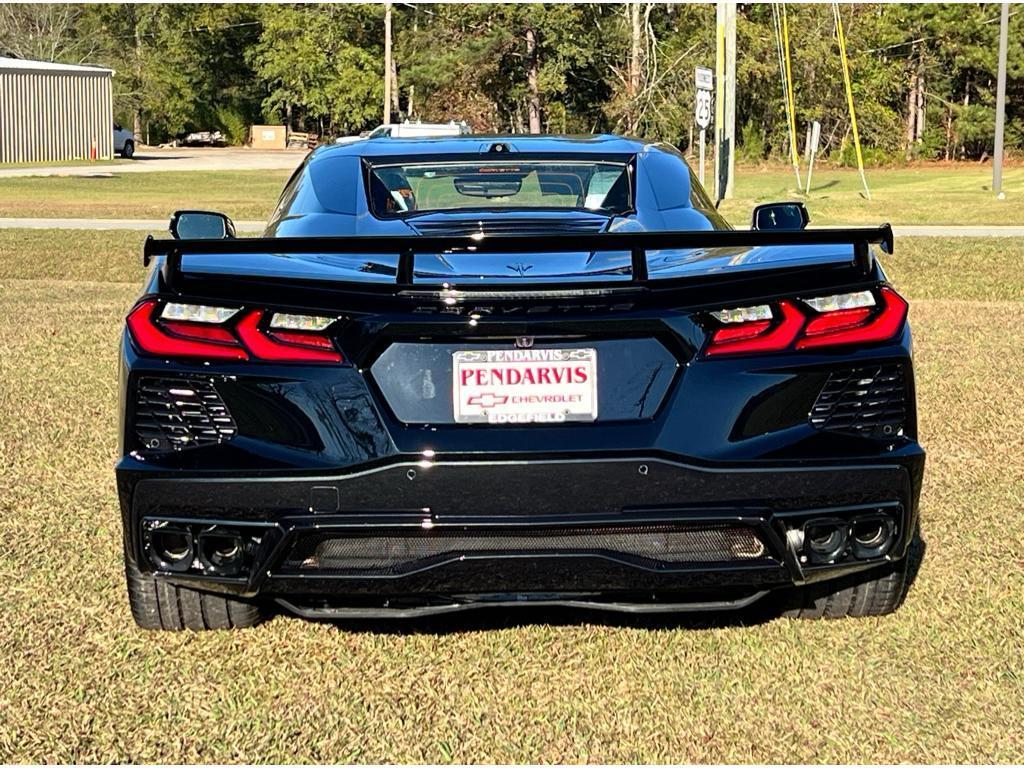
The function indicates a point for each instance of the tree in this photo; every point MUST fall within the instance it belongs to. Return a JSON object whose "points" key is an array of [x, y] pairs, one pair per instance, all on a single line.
{"points": [[923, 74], [321, 65], [508, 67], [45, 32], [179, 67]]}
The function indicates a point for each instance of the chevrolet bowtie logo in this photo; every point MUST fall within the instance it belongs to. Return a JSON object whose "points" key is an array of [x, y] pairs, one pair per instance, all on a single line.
{"points": [[487, 400]]}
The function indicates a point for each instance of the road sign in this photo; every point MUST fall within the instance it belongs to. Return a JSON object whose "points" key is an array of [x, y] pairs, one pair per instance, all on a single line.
{"points": [[704, 78], [702, 111]]}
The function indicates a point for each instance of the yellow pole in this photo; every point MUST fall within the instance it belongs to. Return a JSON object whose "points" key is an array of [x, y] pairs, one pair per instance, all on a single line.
{"points": [[789, 98], [849, 97], [719, 96]]}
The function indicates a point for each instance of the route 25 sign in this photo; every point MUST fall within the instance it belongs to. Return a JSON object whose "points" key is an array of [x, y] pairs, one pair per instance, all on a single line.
{"points": [[704, 80]]}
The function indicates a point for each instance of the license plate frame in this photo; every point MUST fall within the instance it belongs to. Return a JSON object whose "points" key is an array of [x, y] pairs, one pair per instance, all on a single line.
{"points": [[524, 387]]}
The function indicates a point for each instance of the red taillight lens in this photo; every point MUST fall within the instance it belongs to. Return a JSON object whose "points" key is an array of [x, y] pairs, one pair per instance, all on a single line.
{"points": [[177, 339], [825, 328], [883, 325], [836, 321], [741, 331], [285, 346], [215, 339], [199, 331], [759, 335]]}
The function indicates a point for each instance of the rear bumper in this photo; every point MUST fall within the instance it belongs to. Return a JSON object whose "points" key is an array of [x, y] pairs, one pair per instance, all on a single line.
{"points": [[410, 504]]}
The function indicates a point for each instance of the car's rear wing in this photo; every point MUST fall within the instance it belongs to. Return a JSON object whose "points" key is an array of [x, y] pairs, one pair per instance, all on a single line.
{"points": [[637, 244]]}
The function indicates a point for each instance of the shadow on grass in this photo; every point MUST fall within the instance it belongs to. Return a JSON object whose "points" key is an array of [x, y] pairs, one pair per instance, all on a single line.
{"points": [[915, 557], [826, 185], [491, 618]]}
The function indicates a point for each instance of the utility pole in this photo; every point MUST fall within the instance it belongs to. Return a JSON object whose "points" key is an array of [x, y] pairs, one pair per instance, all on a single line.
{"points": [[137, 66], [725, 99], [387, 62], [532, 81], [411, 109], [997, 160]]}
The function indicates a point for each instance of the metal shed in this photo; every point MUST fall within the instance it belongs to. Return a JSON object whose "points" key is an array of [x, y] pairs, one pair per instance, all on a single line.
{"points": [[52, 112]]}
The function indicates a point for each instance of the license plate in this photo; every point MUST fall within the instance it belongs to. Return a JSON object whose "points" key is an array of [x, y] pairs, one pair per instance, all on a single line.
{"points": [[524, 386]]}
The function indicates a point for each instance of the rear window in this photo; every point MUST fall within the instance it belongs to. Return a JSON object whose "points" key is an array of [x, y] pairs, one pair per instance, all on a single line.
{"points": [[404, 189]]}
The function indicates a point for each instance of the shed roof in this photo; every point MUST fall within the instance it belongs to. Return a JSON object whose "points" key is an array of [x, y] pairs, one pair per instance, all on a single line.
{"points": [[27, 65]]}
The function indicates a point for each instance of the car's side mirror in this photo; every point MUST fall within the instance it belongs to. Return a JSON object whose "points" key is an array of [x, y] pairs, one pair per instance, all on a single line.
{"points": [[201, 225], [781, 216]]}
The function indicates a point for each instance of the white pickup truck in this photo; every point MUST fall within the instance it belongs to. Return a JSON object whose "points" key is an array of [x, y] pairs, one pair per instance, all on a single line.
{"points": [[124, 141], [408, 130]]}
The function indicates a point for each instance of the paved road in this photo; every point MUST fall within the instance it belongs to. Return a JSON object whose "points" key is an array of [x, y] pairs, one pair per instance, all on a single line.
{"points": [[257, 226], [152, 159]]}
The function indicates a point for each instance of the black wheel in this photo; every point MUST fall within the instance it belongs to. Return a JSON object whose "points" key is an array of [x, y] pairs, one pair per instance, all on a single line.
{"points": [[157, 604], [875, 593], [129, 149]]}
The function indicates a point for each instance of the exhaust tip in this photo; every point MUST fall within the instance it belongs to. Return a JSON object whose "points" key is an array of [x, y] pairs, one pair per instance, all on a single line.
{"points": [[221, 552], [872, 536], [171, 549], [825, 539]]}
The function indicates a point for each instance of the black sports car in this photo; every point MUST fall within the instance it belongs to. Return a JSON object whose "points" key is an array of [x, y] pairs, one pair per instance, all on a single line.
{"points": [[495, 371]]}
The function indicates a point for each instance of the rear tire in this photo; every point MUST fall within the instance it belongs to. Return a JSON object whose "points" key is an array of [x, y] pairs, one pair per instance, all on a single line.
{"points": [[157, 604], [875, 593], [128, 152]]}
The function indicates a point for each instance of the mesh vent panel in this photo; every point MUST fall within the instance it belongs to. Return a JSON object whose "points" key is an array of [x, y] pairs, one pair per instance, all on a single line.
{"points": [[868, 401], [399, 550], [175, 414]]}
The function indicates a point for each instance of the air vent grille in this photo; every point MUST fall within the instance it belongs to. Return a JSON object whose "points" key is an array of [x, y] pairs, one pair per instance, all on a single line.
{"points": [[869, 401], [173, 414], [466, 227]]}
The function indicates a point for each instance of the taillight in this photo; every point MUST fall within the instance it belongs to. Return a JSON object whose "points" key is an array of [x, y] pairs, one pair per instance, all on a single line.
{"points": [[828, 329], [181, 339], [835, 321], [760, 336], [199, 331], [849, 318], [285, 346]]}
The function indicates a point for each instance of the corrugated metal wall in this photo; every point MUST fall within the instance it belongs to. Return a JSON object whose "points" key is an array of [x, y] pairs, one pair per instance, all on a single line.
{"points": [[54, 116]]}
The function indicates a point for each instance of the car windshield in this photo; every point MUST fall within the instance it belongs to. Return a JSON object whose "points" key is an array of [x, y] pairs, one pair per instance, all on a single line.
{"points": [[403, 189]]}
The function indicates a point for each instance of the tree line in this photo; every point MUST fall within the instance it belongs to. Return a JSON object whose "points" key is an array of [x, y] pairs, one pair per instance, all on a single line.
{"points": [[924, 74]]}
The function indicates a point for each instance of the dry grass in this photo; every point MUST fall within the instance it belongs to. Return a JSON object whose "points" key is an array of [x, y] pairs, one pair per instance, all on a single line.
{"points": [[956, 193], [108, 195], [941, 680]]}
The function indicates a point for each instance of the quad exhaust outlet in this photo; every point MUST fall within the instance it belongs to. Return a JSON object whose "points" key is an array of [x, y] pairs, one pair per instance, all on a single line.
{"points": [[828, 540], [213, 550]]}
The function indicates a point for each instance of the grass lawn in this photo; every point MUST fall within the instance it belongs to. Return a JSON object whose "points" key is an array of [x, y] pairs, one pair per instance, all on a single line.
{"points": [[243, 195], [931, 194], [936, 194], [941, 680]]}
